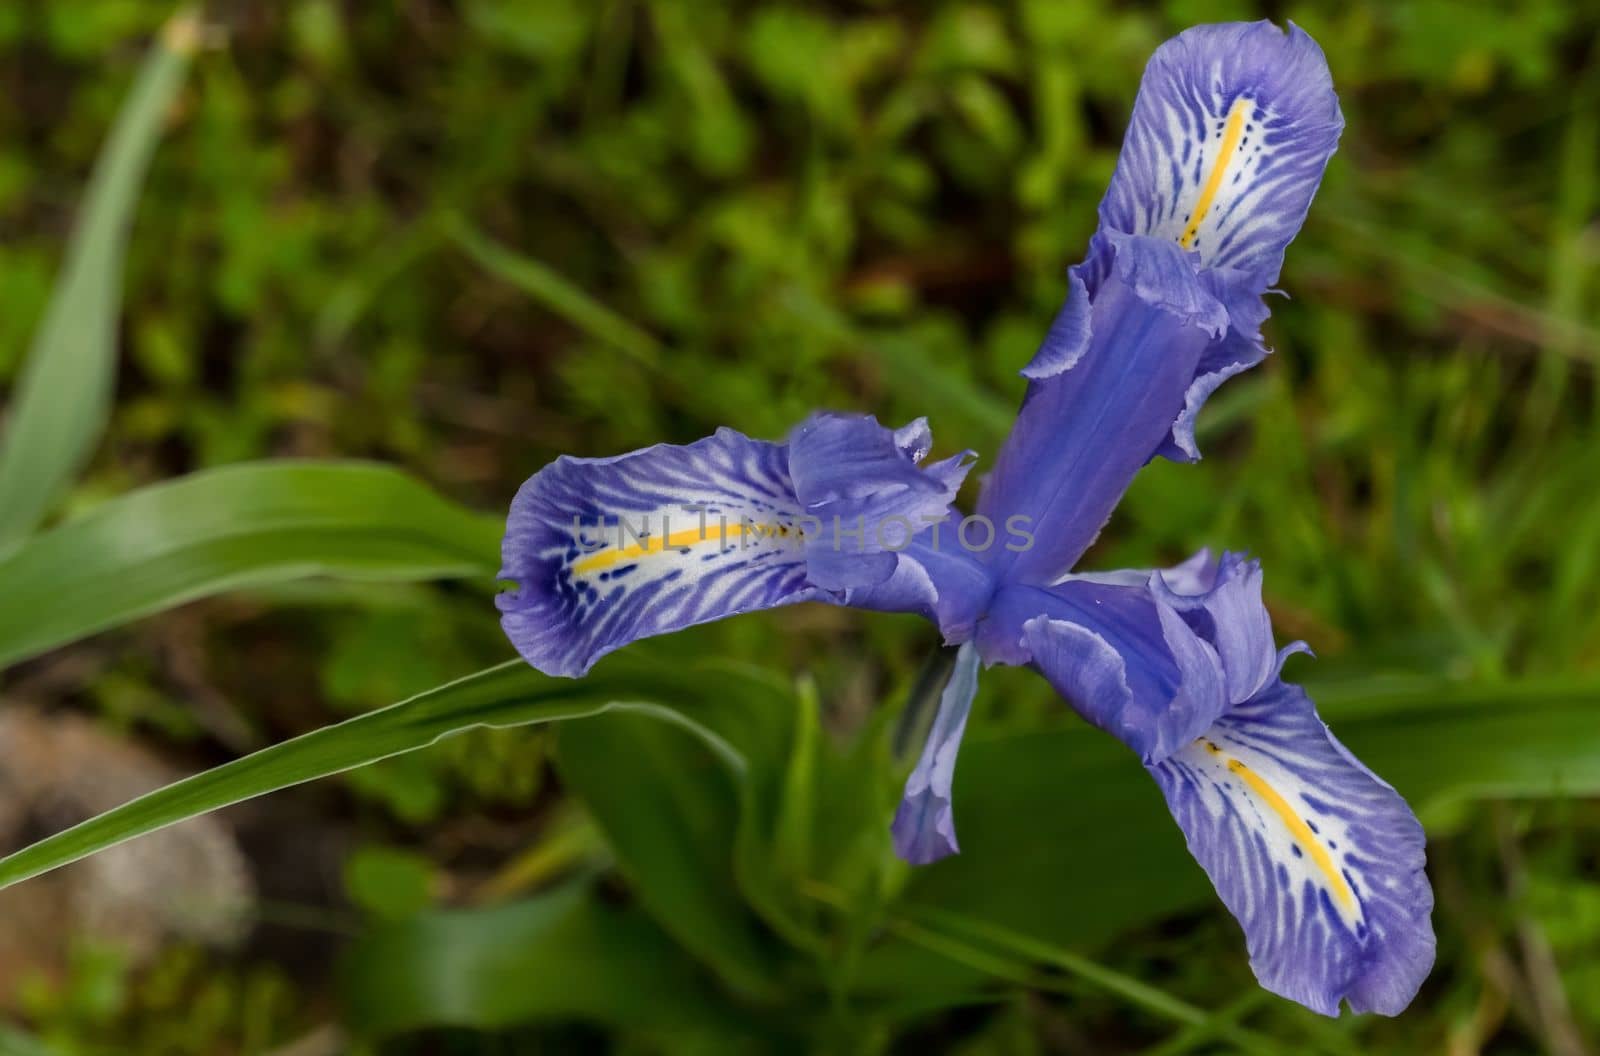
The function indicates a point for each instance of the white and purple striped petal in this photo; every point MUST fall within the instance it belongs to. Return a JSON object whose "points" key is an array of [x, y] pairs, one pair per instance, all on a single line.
{"points": [[604, 551], [924, 827], [1319, 859], [1231, 131]]}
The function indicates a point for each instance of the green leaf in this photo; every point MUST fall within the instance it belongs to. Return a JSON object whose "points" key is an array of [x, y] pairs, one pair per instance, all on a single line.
{"points": [[64, 393], [511, 694], [240, 526], [672, 814], [564, 955], [795, 824], [389, 882], [975, 950]]}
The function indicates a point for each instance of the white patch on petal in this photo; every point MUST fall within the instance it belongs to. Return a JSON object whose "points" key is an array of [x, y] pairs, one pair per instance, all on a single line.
{"points": [[1216, 166], [1249, 791]]}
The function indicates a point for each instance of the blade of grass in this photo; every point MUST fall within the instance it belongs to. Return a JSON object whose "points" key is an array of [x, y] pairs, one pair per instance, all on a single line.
{"points": [[510, 694], [1090, 971], [1569, 268], [1440, 278], [64, 393], [556, 293], [1129, 988], [1192, 1037], [995, 952]]}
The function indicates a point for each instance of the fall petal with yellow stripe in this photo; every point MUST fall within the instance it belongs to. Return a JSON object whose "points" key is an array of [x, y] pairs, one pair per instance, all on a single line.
{"points": [[1321, 862], [601, 552], [1318, 858]]}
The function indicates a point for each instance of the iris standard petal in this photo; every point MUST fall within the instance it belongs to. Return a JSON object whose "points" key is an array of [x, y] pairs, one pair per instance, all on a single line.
{"points": [[924, 826], [604, 551], [1119, 654], [1068, 337], [1223, 605], [1317, 857], [1239, 349], [1085, 429], [936, 578], [1231, 131], [864, 496]]}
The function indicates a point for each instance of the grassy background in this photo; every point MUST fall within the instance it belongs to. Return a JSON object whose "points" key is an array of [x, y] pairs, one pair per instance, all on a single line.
{"points": [[465, 238]]}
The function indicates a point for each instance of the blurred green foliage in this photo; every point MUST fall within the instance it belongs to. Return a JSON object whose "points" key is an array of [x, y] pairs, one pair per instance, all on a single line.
{"points": [[465, 238]]}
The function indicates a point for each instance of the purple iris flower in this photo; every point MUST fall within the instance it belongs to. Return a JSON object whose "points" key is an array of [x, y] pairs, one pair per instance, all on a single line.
{"points": [[1318, 858]]}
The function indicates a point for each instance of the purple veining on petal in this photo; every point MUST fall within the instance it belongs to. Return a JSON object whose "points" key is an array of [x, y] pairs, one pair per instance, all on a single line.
{"points": [[1319, 859], [586, 547], [604, 551], [1244, 110], [1231, 132]]}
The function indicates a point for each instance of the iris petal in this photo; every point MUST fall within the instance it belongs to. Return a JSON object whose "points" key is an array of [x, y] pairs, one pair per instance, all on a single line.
{"points": [[865, 495], [1317, 857], [1151, 657], [1068, 337], [1182, 446], [1232, 128], [936, 578], [1119, 654], [604, 551], [924, 827], [1223, 604], [1093, 417], [1231, 132]]}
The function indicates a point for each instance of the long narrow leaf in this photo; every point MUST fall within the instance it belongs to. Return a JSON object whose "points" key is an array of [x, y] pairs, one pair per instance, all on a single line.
{"points": [[673, 820], [64, 393], [229, 528], [510, 694]]}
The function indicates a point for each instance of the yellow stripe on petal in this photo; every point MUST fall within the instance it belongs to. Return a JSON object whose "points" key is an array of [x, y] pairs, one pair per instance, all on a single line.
{"points": [[1232, 133], [676, 542], [1292, 821]]}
